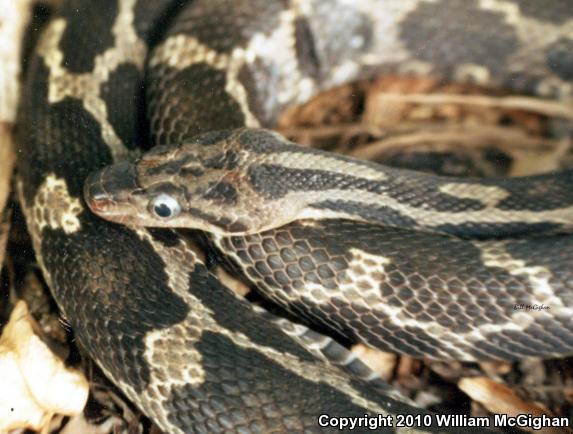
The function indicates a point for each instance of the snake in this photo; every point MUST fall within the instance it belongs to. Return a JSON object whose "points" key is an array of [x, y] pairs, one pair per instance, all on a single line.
{"points": [[204, 81]]}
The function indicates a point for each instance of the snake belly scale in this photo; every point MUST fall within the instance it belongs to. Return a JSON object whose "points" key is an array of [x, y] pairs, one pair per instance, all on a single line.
{"points": [[113, 75]]}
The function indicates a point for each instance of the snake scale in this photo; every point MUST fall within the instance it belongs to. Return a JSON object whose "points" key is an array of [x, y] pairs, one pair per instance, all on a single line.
{"points": [[111, 76]]}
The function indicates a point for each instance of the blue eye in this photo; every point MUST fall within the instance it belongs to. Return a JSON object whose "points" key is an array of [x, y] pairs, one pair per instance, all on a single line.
{"points": [[165, 206]]}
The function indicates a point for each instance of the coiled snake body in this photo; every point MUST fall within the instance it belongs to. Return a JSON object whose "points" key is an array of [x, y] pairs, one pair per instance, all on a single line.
{"points": [[191, 355]]}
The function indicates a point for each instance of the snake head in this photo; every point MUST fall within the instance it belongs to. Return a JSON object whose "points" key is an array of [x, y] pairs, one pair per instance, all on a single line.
{"points": [[201, 184], [116, 194]]}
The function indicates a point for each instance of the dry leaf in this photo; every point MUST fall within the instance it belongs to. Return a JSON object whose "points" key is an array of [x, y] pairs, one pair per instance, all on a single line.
{"points": [[498, 398], [379, 361], [231, 282], [35, 383], [14, 16]]}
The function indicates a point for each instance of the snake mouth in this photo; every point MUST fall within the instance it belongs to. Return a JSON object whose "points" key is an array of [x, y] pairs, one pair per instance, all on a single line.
{"points": [[108, 191]]}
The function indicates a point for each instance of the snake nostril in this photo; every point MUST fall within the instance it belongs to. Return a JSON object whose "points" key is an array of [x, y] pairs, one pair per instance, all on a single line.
{"points": [[99, 205]]}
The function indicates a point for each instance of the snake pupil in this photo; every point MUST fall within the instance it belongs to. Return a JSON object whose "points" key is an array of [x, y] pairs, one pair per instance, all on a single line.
{"points": [[162, 210]]}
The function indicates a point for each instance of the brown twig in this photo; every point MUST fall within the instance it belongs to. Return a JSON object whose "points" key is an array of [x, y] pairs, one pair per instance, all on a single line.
{"points": [[464, 135], [535, 105]]}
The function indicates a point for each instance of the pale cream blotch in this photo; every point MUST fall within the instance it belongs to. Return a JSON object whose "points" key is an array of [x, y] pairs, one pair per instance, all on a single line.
{"points": [[488, 195], [494, 255], [54, 207], [127, 48]]}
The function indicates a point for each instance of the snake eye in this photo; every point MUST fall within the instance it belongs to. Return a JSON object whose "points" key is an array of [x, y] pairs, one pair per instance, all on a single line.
{"points": [[165, 206]]}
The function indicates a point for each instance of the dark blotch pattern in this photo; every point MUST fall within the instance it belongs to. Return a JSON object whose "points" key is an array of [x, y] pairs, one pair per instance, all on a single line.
{"points": [[222, 192], [499, 230], [168, 88], [191, 172], [150, 17], [263, 141], [235, 314], [455, 162], [227, 160], [453, 32], [275, 181], [382, 214], [101, 15], [224, 223], [537, 193], [211, 22], [167, 237], [559, 57], [123, 96], [305, 48], [550, 11]]}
